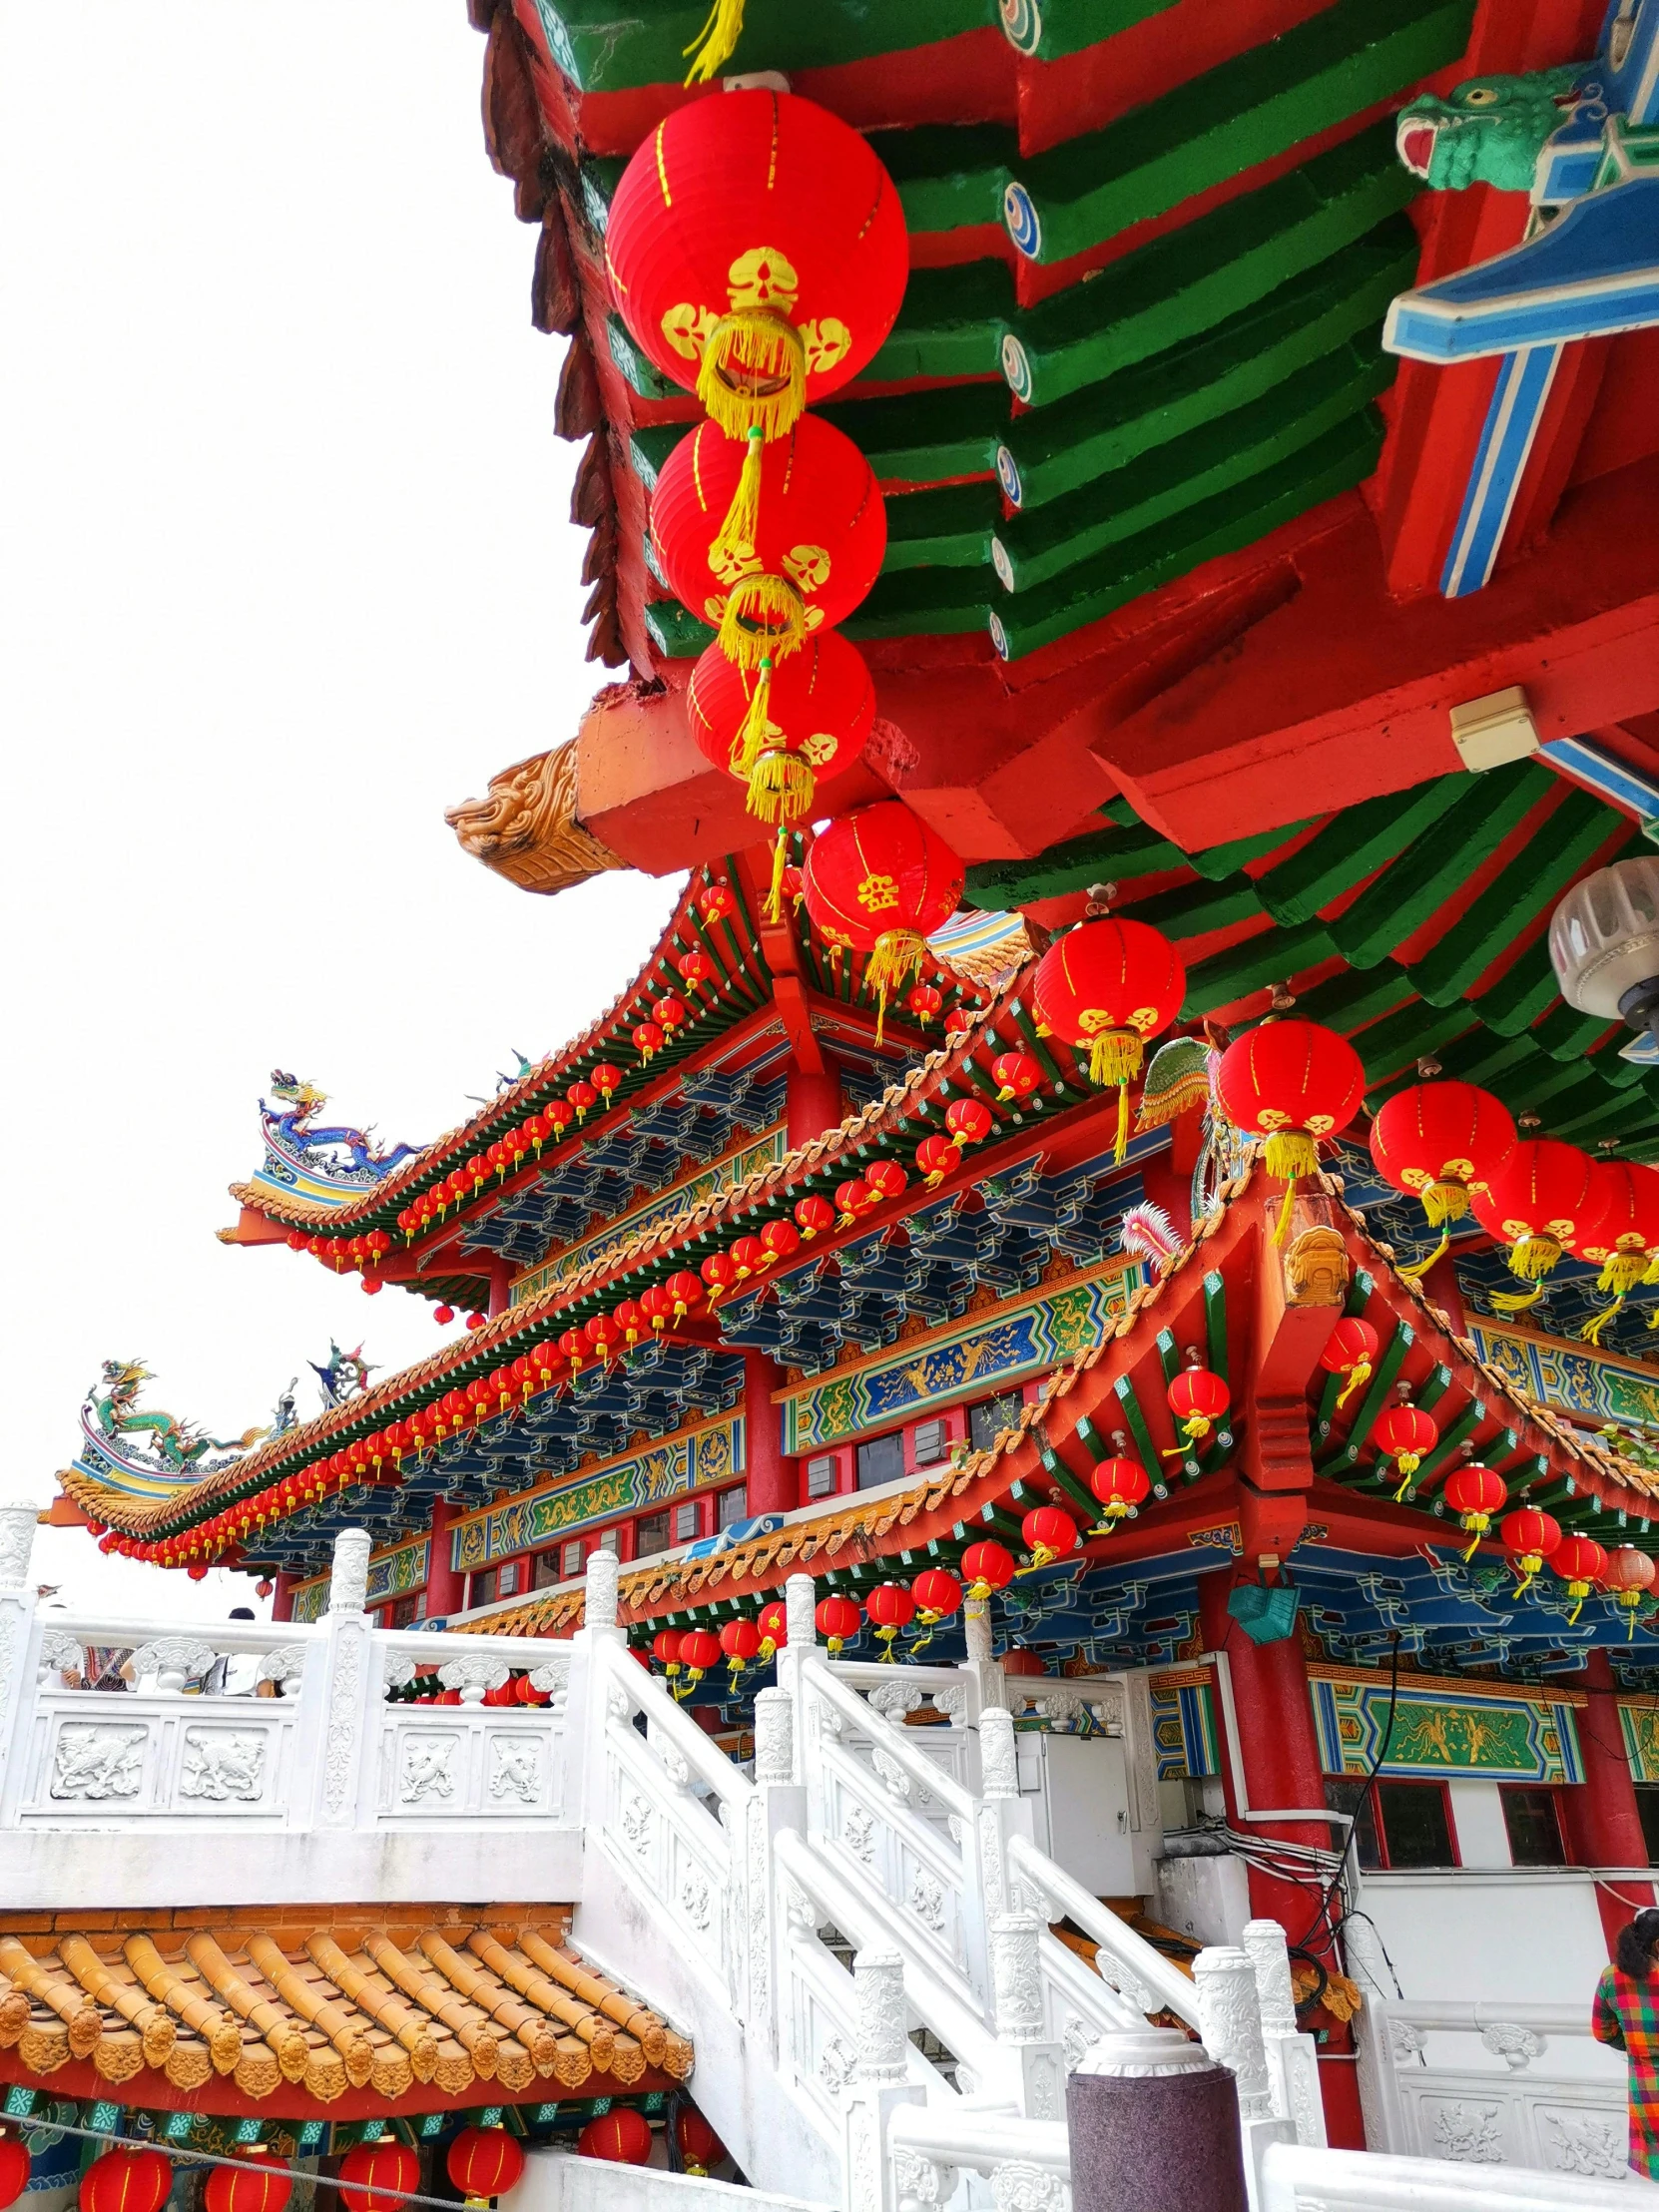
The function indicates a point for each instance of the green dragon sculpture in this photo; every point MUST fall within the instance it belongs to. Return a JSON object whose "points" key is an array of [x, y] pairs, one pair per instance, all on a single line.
{"points": [[1491, 131], [117, 1414]]}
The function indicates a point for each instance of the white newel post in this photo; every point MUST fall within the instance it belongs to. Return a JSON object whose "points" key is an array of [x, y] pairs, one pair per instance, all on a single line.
{"points": [[1229, 2023], [880, 2085], [17, 1608], [587, 1702], [799, 1612], [1293, 2058], [347, 1685], [780, 1802], [992, 1890], [1036, 2066], [984, 1676]]}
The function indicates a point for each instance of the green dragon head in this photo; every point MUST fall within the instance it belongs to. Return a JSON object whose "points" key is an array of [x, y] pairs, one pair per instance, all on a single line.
{"points": [[1491, 131]]}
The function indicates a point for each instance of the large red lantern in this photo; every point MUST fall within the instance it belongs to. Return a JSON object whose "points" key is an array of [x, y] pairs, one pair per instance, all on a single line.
{"points": [[780, 729], [838, 1620], [1290, 1082], [232, 2189], [622, 2136], [801, 560], [1016, 1074], [775, 1628], [889, 1607], [1048, 1534], [757, 252], [1622, 1235], [814, 1217], [700, 2148], [1105, 987], [968, 1120], [1439, 1141], [377, 2177], [880, 881], [485, 2162], [664, 1649], [1474, 1493], [14, 2169], [1580, 1563], [1628, 1575], [937, 1594], [1351, 1351], [739, 1640], [1405, 1435], [127, 2181], [1122, 1486], [1529, 1538], [1538, 1202], [699, 1651], [936, 1157], [988, 1566], [1198, 1397]]}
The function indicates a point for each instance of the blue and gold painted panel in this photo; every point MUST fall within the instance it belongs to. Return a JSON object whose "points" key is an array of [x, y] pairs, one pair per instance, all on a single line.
{"points": [[1640, 1727], [722, 1175], [648, 1477], [1596, 1385], [390, 1574], [1441, 1732], [1184, 1725], [964, 1363]]}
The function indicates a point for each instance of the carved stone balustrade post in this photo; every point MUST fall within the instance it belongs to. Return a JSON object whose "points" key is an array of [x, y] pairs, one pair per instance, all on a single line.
{"points": [[348, 1682], [1293, 2058], [1000, 1817], [984, 1676], [880, 2084], [17, 1606], [799, 1607], [1154, 2122], [597, 1656], [1229, 2021], [1034, 2066], [780, 1802]]}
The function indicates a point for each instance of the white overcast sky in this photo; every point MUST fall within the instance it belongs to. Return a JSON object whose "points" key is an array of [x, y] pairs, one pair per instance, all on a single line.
{"points": [[285, 569]]}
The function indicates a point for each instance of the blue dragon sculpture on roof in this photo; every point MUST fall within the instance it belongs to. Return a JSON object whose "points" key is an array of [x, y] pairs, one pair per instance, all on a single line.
{"points": [[329, 1165]]}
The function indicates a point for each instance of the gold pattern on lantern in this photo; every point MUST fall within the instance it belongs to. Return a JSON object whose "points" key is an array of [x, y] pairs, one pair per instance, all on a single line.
{"points": [[808, 565], [687, 329], [877, 894], [827, 341], [819, 749], [763, 277]]}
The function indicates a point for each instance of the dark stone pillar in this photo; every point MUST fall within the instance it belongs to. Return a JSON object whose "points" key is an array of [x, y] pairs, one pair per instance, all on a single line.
{"points": [[1154, 2142]]}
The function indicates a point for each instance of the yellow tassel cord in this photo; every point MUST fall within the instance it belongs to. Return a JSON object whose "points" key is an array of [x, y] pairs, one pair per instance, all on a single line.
{"points": [[752, 377], [715, 43], [1580, 1592], [1407, 1467], [1197, 1427], [779, 861], [765, 619], [886, 1636], [748, 740], [1115, 1056], [1591, 1331], [1529, 1563], [1480, 1524], [1419, 1267], [1290, 1154], [1358, 1377], [734, 546], [1041, 1557], [1531, 1259], [898, 956], [1445, 1200], [1622, 1271]]}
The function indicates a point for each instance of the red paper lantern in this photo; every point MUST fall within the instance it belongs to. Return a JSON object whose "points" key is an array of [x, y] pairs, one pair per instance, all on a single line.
{"points": [[1538, 1202], [889, 1607], [1622, 1235], [664, 1649], [779, 1240], [839, 1621], [127, 2181], [1291, 1082], [694, 967], [814, 1217], [1048, 1534], [756, 251], [780, 729], [1474, 1493], [739, 1640], [1529, 1538], [969, 1121], [1439, 1141], [1405, 1435], [443, 1314], [885, 1180], [880, 881], [924, 1002], [1018, 1661], [936, 1157], [632, 1320], [685, 1291], [1580, 1563], [1105, 987], [1016, 1074], [1122, 1485], [622, 2136], [582, 1096], [852, 1198], [603, 1335], [988, 1566], [700, 2148], [770, 571], [1350, 1350], [576, 1349], [749, 1256], [14, 2169], [607, 1080], [1628, 1577], [937, 1594], [1197, 1399], [485, 2162], [774, 1627], [720, 1272], [669, 1014], [647, 1040], [698, 1650]]}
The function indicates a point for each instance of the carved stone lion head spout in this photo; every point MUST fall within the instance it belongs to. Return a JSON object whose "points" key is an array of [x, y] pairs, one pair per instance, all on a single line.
{"points": [[526, 829]]}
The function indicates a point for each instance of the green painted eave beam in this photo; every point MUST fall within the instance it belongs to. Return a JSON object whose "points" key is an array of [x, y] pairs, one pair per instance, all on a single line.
{"points": [[1345, 59], [603, 47], [1353, 845]]}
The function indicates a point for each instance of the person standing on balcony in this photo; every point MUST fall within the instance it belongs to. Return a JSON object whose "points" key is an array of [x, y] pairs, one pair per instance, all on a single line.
{"points": [[1626, 2015]]}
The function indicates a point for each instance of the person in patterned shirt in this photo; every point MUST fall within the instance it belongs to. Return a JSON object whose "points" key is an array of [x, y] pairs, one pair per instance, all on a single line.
{"points": [[1626, 2015]]}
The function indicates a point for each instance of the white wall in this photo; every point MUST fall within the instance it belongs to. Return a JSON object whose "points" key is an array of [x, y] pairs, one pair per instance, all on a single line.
{"points": [[1477, 1821], [557, 2181], [1521, 1934]]}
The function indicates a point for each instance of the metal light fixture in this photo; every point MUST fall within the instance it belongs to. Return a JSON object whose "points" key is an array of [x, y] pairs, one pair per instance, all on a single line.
{"points": [[1604, 944]]}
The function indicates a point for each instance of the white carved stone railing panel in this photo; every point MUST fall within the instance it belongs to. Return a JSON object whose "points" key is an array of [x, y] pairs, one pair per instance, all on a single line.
{"points": [[677, 1851], [444, 1762], [891, 1843], [1126, 1960], [1294, 2179], [99, 1762], [1486, 2085], [1026, 2161]]}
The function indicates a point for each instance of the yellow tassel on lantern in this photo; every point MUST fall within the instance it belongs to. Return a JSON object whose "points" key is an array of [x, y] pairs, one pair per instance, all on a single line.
{"points": [[779, 861], [715, 43], [764, 618], [1357, 1377], [1480, 1524], [1445, 1200], [756, 726], [1622, 1271], [1407, 1465], [898, 955], [1590, 1333], [753, 376], [1531, 1259], [781, 788], [733, 545], [1290, 1154], [1419, 1267]]}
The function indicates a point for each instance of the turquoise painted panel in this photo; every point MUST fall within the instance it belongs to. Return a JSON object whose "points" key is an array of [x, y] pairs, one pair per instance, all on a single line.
{"points": [[1439, 1733], [1573, 1378]]}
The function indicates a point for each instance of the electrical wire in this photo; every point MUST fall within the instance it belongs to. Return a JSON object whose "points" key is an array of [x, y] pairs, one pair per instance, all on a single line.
{"points": [[1322, 1918]]}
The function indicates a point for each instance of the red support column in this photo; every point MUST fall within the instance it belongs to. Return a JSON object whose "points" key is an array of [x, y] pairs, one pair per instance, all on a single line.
{"points": [[501, 1287], [281, 1604], [445, 1588], [814, 1102], [773, 1479], [1604, 1827]]}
